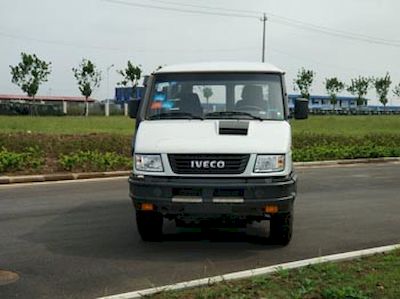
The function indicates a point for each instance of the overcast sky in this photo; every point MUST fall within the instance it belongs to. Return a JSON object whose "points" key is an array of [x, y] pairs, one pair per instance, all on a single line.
{"points": [[64, 32]]}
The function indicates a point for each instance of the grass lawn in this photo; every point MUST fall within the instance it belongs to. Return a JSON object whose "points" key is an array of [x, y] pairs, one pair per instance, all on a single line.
{"points": [[372, 277], [341, 125], [348, 125], [67, 125]]}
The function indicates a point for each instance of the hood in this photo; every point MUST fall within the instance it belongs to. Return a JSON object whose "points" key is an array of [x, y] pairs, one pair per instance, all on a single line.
{"points": [[203, 136]]}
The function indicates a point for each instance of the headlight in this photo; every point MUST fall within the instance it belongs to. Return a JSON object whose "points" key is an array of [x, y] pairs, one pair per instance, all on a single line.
{"points": [[151, 163], [269, 163]]}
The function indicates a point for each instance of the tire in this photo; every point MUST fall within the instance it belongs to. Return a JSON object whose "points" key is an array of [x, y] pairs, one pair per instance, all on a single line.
{"points": [[281, 228], [149, 225]]}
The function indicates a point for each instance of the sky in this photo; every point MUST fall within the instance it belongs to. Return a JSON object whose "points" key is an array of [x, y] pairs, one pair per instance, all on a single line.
{"points": [[342, 38]]}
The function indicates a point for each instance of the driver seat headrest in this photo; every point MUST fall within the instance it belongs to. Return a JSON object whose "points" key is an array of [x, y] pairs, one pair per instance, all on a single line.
{"points": [[252, 93]]}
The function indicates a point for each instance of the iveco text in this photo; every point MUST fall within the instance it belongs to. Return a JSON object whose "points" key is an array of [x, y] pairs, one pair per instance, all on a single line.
{"points": [[207, 164], [213, 147]]}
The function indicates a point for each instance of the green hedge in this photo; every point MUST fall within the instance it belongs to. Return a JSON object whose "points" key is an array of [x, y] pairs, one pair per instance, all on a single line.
{"points": [[60, 153], [317, 147], [31, 158], [94, 161], [99, 152]]}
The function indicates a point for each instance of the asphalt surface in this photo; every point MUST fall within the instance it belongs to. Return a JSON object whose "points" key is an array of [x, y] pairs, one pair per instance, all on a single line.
{"points": [[78, 239]]}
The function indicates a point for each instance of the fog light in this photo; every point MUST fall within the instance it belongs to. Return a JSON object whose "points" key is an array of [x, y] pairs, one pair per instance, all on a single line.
{"points": [[147, 207], [271, 209]]}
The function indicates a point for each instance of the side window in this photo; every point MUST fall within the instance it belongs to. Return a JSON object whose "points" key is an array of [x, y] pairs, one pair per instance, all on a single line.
{"points": [[212, 97]]}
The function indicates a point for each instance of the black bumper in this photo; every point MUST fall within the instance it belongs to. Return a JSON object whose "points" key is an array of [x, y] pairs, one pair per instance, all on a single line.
{"points": [[255, 192]]}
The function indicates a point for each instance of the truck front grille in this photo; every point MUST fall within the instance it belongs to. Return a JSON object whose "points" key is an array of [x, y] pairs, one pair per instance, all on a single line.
{"points": [[208, 163]]}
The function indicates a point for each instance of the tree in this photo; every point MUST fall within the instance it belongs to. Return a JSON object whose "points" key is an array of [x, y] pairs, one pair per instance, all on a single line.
{"points": [[333, 86], [396, 90], [304, 81], [29, 74], [88, 78], [207, 93], [131, 74], [382, 87], [359, 87]]}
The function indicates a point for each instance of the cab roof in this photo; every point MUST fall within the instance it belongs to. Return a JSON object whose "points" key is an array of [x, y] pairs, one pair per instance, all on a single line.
{"points": [[225, 66]]}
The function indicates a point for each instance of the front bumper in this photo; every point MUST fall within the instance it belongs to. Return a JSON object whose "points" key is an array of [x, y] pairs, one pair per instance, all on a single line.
{"points": [[183, 197], [204, 198]]}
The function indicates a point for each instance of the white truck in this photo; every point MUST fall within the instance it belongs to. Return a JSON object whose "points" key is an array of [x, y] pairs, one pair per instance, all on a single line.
{"points": [[212, 146]]}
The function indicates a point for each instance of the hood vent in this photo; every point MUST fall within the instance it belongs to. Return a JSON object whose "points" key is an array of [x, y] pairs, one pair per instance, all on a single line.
{"points": [[233, 127]]}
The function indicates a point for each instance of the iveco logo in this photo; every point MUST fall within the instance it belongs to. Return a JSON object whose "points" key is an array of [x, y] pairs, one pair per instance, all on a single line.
{"points": [[207, 164]]}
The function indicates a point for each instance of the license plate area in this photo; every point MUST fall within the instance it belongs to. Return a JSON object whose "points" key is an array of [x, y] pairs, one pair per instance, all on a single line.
{"points": [[228, 193], [209, 209], [183, 192]]}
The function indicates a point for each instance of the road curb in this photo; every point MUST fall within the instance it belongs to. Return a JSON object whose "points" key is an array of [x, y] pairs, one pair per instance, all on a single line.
{"points": [[255, 272], [348, 162], [4, 180]]}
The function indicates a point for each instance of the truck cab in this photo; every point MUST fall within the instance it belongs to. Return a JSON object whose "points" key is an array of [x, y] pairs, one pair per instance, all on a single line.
{"points": [[213, 147]]}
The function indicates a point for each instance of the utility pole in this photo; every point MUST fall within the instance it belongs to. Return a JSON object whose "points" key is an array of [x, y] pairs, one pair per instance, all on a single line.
{"points": [[107, 107], [108, 79], [264, 20]]}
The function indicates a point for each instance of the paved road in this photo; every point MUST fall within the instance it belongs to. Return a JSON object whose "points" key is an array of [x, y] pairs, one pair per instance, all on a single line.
{"points": [[78, 240]]}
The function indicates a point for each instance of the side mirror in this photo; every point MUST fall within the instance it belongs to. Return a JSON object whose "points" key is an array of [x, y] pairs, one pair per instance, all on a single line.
{"points": [[133, 108], [301, 108]]}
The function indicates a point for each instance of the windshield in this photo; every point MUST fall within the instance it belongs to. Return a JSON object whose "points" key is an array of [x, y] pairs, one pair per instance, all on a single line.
{"points": [[213, 95]]}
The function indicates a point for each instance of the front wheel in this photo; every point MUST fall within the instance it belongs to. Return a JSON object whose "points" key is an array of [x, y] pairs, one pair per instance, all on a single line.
{"points": [[281, 228], [149, 225]]}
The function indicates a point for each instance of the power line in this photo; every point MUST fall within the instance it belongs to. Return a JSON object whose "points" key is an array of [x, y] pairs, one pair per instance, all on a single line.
{"points": [[337, 33], [56, 42], [96, 47], [310, 25], [316, 62], [192, 11], [83, 46], [274, 18], [254, 12]]}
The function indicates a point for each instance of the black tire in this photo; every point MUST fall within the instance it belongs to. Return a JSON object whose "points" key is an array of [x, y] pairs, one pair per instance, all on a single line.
{"points": [[281, 228], [149, 225]]}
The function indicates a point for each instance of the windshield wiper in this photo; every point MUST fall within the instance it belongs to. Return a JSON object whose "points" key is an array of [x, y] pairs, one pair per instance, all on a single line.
{"points": [[231, 114], [177, 115]]}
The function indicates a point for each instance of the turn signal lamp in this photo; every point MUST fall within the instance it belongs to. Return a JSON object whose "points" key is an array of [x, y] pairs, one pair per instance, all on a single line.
{"points": [[271, 209], [147, 207]]}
